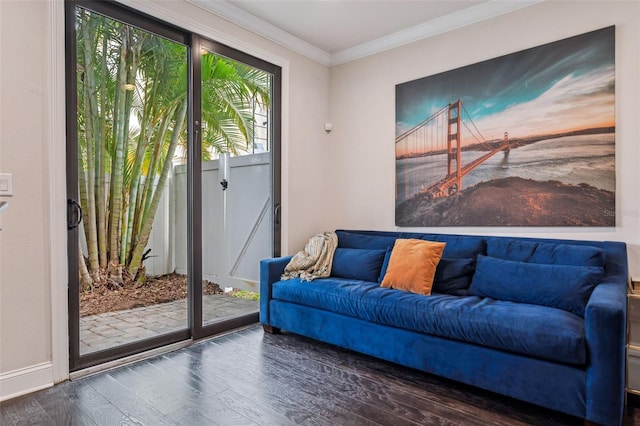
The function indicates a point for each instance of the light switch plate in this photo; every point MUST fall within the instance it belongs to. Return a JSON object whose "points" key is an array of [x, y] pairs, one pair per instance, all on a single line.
{"points": [[6, 184]]}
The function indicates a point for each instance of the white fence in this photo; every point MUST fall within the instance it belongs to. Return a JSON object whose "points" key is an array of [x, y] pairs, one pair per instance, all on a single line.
{"points": [[236, 222]]}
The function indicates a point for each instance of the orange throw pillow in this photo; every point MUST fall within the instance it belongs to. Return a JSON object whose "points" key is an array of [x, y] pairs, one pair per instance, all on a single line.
{"points": [[412, 265]]}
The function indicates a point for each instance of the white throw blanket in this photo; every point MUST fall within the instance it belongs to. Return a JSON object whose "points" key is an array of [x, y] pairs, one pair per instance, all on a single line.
{"points": [[315, 260]]}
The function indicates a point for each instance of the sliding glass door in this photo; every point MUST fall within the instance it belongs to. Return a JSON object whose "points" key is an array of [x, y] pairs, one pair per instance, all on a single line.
{"points": [[236, 134], [171, 147], [127, 124]]}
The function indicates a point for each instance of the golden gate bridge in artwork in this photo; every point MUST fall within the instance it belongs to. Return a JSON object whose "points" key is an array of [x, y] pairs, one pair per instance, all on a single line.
{"points": [[438, 139]]}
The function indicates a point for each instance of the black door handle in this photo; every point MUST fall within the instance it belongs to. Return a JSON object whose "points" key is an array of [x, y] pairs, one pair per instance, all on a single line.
{"points": [[276, 214], [74, 214]]}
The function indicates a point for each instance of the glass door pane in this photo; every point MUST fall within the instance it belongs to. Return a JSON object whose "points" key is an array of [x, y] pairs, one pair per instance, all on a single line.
{"points": [[237, 214], [131, 107]]}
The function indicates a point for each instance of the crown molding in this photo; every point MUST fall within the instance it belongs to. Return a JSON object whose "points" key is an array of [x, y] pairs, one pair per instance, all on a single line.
{"points": [[478, 13], [453, 21], [256, 25]]}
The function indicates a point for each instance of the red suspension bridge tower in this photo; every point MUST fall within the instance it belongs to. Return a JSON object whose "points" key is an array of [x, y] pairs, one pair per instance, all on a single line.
{"points": [[440, 133], [453, 132]]}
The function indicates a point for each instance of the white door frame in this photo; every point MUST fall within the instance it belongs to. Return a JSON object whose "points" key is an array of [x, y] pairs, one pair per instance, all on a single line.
{"points": [[56, 145]]}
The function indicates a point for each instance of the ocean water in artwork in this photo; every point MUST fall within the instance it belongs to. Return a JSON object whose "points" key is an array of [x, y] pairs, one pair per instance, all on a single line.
{"points": [[572, 160]]}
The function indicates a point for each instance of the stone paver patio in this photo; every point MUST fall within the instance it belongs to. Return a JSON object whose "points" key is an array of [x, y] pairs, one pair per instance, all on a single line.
{"points": [[111, 329]]}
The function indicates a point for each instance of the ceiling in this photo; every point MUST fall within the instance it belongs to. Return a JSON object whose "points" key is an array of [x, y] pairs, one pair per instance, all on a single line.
{"points": [[337, 31], [337, 25]]}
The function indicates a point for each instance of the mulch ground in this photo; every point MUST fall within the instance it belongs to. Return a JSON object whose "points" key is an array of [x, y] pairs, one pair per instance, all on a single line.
{"points": [[161, 289]]}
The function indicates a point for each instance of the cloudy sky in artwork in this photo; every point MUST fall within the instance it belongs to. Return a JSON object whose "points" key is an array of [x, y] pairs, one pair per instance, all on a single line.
{"points": [[561, 86]]}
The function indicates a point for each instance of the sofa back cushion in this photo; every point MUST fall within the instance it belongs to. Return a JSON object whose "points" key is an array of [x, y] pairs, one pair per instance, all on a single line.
{"points": [[355, 240], [566, 287], [458, 246], [453, 273], [357, 264], [547, 253]]}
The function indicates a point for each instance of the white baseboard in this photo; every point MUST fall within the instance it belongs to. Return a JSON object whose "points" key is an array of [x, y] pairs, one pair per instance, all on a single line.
{"points": [[26, 380]]}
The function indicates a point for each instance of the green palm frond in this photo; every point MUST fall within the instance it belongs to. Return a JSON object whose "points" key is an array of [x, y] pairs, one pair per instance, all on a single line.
{"points": [[230, 90]]}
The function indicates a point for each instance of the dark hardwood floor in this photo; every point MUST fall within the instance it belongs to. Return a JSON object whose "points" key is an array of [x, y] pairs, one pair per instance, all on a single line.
{"points": [[249, 378]]}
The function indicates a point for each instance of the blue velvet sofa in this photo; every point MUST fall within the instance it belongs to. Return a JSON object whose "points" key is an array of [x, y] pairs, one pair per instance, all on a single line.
{"points": [[539, 320]]}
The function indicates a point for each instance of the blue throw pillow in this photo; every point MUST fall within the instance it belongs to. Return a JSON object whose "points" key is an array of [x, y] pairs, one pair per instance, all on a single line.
{"points": [[357, 264], [453, 276], [548, 253], [565, 287]]}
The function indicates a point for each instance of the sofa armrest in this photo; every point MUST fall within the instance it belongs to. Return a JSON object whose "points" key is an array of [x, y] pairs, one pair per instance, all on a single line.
{"points": [[270, 272], [605, 332]]}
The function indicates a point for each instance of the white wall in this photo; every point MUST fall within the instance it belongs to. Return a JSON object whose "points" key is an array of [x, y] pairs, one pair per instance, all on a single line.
{"points": [[25, 315], [362, 105]]}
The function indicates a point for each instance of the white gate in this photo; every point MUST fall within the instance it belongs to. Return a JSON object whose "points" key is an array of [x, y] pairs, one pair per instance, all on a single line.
{"points": [[236, 222]]}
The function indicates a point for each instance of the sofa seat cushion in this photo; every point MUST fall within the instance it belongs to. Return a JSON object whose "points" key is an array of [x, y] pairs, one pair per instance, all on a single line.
{"points": [[538, 331]]}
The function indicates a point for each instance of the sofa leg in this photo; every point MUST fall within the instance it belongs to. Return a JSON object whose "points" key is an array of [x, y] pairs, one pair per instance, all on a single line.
{"points": [[269, 329]]}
